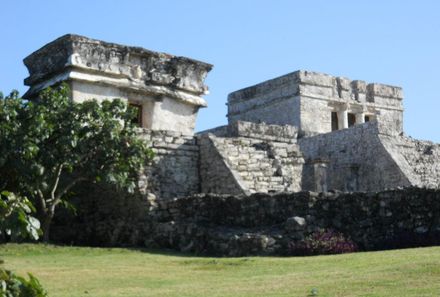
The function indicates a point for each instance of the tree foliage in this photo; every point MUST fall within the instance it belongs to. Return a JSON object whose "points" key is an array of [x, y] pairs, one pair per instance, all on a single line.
{"points": [[16, 217], [12, 285], [50, 144], [16, 222]]}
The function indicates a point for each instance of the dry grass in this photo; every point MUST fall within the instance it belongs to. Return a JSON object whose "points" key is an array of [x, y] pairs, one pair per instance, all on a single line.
{"points": [[78, 271]]}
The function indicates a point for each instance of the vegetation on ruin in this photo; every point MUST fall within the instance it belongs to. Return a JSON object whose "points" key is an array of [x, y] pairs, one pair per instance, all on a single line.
{"points": [[49, 145], [80, 271]]}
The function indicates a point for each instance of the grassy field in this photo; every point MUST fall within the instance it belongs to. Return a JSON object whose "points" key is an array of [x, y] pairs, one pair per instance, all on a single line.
{"points": [[75, 271]]}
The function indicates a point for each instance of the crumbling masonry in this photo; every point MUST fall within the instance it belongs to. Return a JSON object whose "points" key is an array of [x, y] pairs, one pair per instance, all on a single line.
{"points": [[301, 131]]}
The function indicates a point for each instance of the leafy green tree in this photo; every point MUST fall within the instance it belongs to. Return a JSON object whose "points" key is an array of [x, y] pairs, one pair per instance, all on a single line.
{"points": [[49, 145]]}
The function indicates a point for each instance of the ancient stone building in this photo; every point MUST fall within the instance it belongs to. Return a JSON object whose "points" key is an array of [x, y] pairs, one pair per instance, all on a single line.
{"points": [[301, 131], [317, 103], [164, 88]]}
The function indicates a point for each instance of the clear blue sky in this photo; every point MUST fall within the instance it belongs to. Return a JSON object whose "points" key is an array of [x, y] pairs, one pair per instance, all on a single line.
{"points": [[249, 41]]}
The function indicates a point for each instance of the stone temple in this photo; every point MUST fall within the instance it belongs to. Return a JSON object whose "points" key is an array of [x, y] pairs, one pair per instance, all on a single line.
{"points": [[300, 131], [166, 89]]}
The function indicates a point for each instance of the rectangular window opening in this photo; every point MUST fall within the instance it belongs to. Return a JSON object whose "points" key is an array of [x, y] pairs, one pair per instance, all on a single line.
{"points": [[367, 118], [351, 119], [136, 110], [334, 121]]}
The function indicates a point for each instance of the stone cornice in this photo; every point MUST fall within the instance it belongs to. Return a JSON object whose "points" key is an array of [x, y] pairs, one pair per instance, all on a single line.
{"points": [[139, 69]]}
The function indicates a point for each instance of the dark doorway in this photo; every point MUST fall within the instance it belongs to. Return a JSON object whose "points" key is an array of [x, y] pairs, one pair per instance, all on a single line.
{"points": [[351, 119], [334, 121]]}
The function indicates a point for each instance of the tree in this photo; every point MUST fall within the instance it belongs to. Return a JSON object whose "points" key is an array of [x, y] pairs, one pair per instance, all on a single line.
{"points": [[50, 144]]}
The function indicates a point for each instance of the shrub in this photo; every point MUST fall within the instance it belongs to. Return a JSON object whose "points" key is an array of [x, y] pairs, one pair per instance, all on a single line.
{"points": [[12, 285], [322, 242]]}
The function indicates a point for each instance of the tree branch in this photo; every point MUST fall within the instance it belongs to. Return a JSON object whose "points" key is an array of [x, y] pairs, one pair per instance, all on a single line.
{"points": [[57, 180], [42, 201], [66, 189]]}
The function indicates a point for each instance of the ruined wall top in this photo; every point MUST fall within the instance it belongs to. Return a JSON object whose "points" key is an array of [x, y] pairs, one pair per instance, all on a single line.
{"points": [[336, 88], [134, 68], [261, 131]]}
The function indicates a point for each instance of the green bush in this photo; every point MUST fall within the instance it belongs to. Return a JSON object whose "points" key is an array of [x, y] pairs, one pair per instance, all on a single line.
{"points": [[12, 285]]}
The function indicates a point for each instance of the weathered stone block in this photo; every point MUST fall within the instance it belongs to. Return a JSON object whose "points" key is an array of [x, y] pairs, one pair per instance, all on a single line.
{"points": [[295, 224], [381, 90], [315, 78]]}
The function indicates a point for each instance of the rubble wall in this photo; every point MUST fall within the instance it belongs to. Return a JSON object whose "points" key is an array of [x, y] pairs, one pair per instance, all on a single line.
{"points": [[259, 224], [268, 224]]}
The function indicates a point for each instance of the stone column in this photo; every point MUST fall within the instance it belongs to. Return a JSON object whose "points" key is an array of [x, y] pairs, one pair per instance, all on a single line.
{"points": [[360, 118], [343, 119]]}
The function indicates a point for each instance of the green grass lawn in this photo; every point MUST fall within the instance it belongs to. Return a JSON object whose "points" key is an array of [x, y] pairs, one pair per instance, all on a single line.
{"points": [[79, 271]]}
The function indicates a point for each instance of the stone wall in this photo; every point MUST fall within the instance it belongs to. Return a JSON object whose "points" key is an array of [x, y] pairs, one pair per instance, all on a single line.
{"points": [[263, 131], [174, 172], [355, 160], [265, 158], [251, 157], [216, 175], [419, 159], [266, 224], [259, 224], [368, 157], [274, 101], [104, 216]]}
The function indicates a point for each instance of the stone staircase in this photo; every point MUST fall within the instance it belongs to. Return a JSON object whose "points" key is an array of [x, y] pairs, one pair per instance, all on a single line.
{"points": [[263, 166]]}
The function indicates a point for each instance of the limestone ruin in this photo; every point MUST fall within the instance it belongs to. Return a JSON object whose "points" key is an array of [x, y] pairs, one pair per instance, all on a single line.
{"points": [[166, 89], [317, 103], [301, 131]]}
